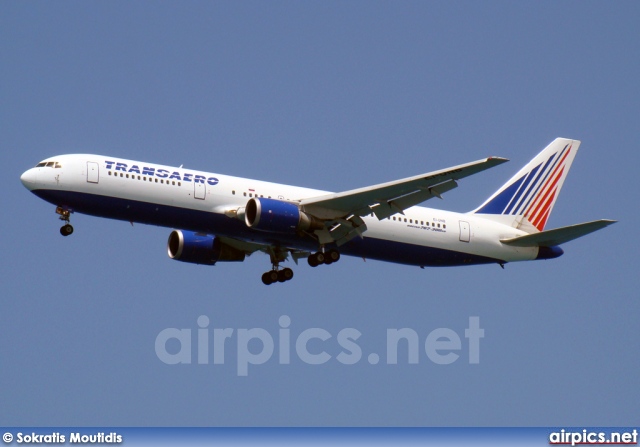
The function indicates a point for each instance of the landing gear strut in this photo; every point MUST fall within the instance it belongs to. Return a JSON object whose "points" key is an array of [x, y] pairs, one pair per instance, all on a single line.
{"points": [[65, 216]]}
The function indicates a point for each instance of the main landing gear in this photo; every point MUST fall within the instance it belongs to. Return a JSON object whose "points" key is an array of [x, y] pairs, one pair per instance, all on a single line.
{"points": [[65, 215], [276, 275], [282, 275], [329, 257]]}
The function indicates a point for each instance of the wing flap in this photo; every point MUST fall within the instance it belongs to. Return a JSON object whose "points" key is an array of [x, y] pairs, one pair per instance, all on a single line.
{"points": [[558, 236], [388, 208]]}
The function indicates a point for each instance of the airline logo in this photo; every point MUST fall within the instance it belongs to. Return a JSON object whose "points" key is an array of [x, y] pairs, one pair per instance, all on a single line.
{"points": [[161, 173], [533, 194]]}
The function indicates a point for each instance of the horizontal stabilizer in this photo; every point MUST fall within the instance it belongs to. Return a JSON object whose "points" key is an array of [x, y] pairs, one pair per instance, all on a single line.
{"points": [[558, 236]]}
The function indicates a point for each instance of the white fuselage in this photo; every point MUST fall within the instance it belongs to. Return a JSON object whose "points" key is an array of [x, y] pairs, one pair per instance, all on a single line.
{"points": [[204, 202]]}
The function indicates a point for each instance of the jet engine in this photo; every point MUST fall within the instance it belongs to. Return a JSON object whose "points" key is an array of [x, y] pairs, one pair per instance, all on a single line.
{"points": [[198, 248], [278, 216]]}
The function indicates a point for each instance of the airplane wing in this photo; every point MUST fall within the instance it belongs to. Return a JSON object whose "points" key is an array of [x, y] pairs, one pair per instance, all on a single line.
{"points": [[558, 236], [389, 198]]}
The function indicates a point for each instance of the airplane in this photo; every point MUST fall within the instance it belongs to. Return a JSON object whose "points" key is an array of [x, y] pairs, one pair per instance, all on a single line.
{"points": [[218, 218]]}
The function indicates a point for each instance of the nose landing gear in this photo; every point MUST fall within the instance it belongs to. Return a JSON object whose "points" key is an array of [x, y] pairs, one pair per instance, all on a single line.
{"points": [[65, 215]]}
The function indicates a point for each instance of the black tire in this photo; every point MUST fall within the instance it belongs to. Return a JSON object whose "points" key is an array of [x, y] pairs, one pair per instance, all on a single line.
{"points": [[66, 230], [285, 274], [312, 260], [331, 256], [320, 257], [266, 278]]}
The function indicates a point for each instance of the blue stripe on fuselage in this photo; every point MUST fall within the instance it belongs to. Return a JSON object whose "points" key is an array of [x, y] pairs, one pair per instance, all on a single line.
{"points": [[219, 224]]}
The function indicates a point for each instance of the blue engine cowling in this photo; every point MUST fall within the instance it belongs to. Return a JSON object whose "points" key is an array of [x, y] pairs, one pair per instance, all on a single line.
{"points": [[278, 216], [198, 248]]}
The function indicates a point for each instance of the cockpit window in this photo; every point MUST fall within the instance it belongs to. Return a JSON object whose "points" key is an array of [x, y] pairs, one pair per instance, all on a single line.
{"points": [[48, 164]]}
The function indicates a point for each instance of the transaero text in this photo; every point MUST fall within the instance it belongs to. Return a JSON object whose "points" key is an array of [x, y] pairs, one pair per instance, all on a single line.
{"points": [[161, 173], [71, 438]]}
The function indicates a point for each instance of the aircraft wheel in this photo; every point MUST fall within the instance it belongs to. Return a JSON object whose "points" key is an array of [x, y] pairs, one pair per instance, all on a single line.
{"points": [[331, 256], [66, 230], [312, 260], [270, 277], [285, 275]]}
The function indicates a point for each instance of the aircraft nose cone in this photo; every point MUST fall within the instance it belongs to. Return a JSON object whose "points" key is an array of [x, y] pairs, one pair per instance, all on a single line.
{"points": [[28, 179]]}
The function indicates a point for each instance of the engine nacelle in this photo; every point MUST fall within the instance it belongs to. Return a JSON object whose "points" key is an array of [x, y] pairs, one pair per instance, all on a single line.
{"points": [[278, 216], [197, 248]]}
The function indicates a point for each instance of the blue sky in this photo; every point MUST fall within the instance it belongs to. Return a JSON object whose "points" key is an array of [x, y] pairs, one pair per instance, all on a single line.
{"points": [[334, 96]]}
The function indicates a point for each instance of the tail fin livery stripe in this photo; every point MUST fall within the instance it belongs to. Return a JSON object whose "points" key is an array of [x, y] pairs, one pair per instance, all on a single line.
{"points": [[529, 196], [543, 222], [499, 203], [553, 162], [550, 186], [544, 200], [525, 190], [544, 173], [539, 213], [525, 187]]}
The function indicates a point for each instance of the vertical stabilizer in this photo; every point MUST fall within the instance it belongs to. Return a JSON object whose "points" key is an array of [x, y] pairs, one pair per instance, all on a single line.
{"points": [[527, 199]]}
